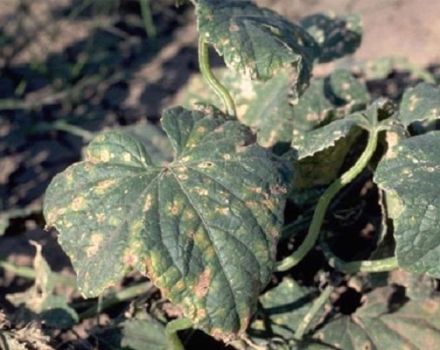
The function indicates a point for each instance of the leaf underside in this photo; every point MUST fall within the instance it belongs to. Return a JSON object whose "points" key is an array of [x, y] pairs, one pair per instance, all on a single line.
{"points": [[204, 227], [256, 41], [410, 176]]}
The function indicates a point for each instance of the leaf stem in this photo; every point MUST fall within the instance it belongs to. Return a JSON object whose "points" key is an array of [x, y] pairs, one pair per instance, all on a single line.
{"points": [[171, 331], [147, 18], [29, 273], [212, 81], [116, 298], [317, 305], [324, 202], [21, 271]]}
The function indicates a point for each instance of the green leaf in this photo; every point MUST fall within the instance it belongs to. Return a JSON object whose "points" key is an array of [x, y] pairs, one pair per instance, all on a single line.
{"points": [[410, 176], [379, 325], [420, 104], [336, 36], [204, 227], [256, 41]]}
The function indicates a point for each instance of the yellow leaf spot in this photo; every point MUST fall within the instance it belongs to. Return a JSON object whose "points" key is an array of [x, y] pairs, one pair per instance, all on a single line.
{"points": [[201, 314], [54, 214], [205, 165], [100, 218], [175, 207], [126, 157], [103, 186], [148, 202], [180, 285], [413, 101], [202, 191], [96, 240], [78, 203], [223, 211], [227, 156]]}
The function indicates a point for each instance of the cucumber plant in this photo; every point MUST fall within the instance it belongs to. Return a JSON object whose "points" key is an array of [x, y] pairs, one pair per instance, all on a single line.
{"points": [[205, 223]]}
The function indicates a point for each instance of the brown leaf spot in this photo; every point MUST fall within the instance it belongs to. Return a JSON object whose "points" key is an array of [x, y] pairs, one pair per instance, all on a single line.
{"points": [[277, 189], [201, 314], [202, 286]]}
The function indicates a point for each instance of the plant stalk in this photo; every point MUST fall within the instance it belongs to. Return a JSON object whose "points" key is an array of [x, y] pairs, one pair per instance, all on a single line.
{"points": [[324, 202], [116, 298], [212, 81], [317, 305], [171, 331], [370, 266]]}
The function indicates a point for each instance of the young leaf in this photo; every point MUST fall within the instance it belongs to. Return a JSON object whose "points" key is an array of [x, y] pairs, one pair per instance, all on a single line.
{"points": [[420, 104], [204, 227], [410, 176], [413, 326], [256, 41], [336, 36]]}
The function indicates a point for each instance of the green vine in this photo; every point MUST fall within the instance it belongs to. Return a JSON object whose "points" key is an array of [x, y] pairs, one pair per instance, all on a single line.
{"points": [[324, 202], [212, 81]]}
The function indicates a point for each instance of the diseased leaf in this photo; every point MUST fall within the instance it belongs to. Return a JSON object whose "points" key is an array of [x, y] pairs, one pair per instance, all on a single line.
{"points": [[336, 36], [417, 287], [410, 176], [204, 227], [256, 41], [270, 112], [154, 140], [379, 325], [420, 104], [41, 298], [240, 87], [346, 90], [317, 140], [284, 307], [138, 333], [324, 137]]}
